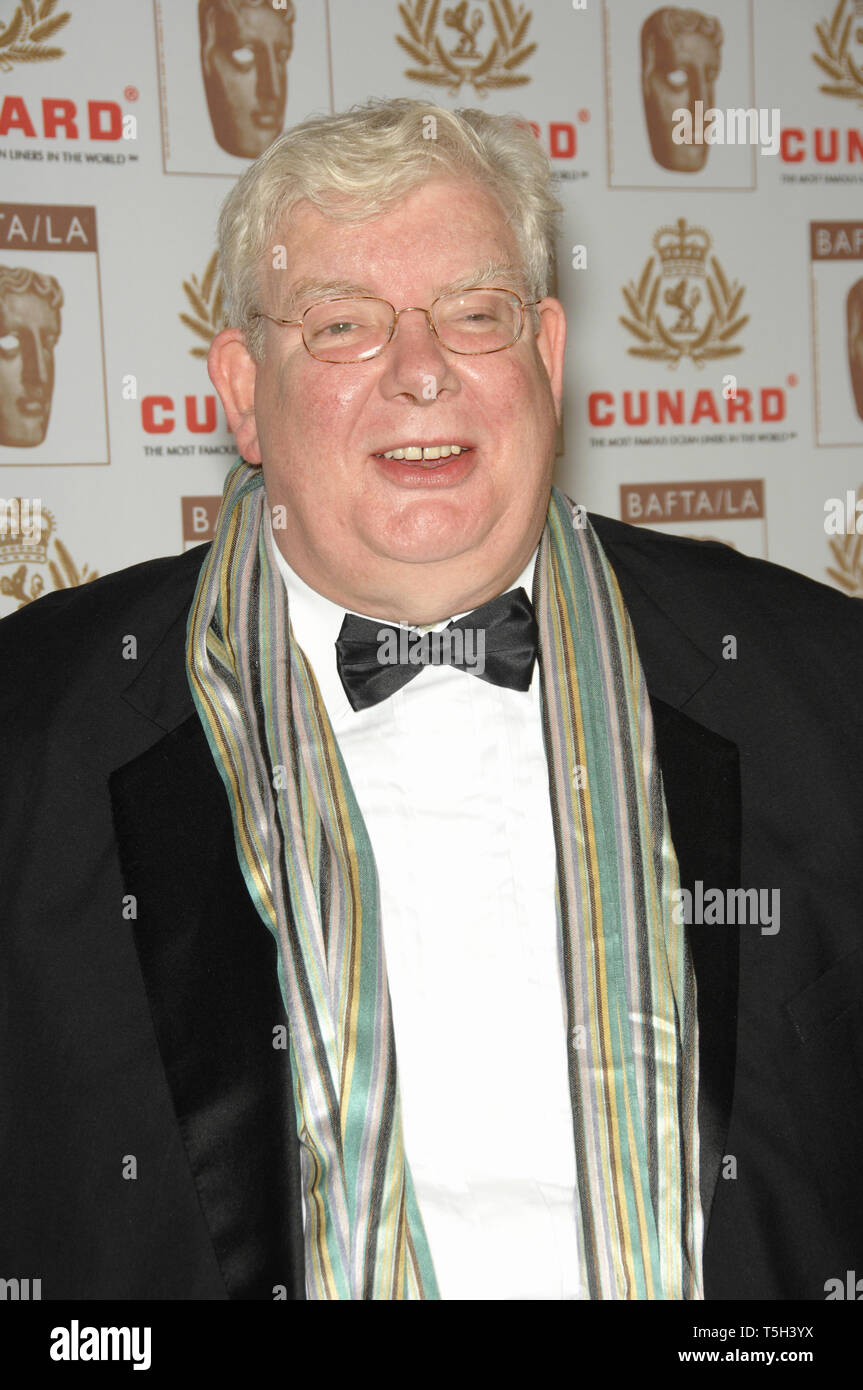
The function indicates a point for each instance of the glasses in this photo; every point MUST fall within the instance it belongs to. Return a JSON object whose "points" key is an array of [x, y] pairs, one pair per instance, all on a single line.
{"points": [[469, 322]]}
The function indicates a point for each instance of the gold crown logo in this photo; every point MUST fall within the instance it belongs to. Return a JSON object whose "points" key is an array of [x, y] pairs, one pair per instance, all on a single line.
{"points": [[682, 250], [13, 546]]}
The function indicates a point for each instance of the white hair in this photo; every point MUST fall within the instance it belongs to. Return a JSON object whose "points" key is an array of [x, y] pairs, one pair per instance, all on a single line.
{"points": [[360, 163]]}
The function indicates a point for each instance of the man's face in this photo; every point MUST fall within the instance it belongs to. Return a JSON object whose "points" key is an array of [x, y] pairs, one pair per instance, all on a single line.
{"points": [[678, 71], [855, 342], [29, 329], [244, 58], [379, 536]]}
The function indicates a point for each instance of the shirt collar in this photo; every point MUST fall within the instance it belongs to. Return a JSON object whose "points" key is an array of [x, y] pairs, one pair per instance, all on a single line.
{"points": [[316, 622]]}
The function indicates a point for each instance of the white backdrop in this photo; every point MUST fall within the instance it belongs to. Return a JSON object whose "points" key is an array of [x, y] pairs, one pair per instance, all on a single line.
{"points": [[742, 267]]}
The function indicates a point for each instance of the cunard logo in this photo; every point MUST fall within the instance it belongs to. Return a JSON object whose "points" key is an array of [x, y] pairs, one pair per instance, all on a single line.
{"points": [[841, 41], [28, 540], [24, 38], [205, 299], [483, 46], [683, 305]]}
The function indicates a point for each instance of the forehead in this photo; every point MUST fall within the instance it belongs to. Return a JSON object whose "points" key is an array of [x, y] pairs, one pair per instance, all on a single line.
{"points": [[27, 310], [435, 234]]}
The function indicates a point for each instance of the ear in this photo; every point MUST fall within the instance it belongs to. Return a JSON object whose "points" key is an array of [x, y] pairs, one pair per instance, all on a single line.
{"points": [[233, 371], [551, 344]]}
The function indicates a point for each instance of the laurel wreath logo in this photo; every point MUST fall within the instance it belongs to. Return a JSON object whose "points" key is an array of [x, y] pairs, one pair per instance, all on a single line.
{"points": [[441, 69], [659, 345], [205, 298], [847, 552], [835, 58], [22, 39]]}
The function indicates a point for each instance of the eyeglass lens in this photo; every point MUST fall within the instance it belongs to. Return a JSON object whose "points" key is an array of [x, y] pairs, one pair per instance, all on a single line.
{"points": [[349, 330]]}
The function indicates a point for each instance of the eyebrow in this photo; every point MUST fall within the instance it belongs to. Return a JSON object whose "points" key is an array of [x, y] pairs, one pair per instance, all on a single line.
{"points": [[310, 289]]}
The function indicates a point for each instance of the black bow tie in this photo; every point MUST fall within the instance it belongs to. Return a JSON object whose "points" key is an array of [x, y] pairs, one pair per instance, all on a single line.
{"points": [[496, 642]]}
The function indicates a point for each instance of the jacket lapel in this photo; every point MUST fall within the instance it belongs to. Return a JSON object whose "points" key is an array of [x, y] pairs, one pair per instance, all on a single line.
{"points": [[209, 968]]}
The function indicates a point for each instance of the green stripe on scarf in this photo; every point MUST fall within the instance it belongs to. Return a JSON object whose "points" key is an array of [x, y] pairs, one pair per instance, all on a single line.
{"points": [[309, 867]]}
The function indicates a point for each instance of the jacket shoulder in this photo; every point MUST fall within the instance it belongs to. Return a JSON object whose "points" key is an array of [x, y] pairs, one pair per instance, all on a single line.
{"points": [[65, 639], [687, 574]]}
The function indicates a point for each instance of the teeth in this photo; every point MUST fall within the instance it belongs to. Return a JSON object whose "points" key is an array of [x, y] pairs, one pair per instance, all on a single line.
{"points": [[413, 453]]}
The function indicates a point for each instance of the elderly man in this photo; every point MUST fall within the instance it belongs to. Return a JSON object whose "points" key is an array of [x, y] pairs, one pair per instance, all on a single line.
{"points": [[374, 963]]}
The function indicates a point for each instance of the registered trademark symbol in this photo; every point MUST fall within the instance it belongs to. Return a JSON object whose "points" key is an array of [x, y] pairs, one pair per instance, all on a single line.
{"points": [[130, 93], [584, 114], [792, 379]]}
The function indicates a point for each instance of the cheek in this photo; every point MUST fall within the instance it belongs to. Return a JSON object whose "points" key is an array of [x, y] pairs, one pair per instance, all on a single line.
{"points": [[306, 418], [521, 400]]}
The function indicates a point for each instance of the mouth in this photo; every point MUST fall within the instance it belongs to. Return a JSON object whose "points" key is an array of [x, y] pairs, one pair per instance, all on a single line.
{"points": [[424, 455], [31, 407], [427, 464]]}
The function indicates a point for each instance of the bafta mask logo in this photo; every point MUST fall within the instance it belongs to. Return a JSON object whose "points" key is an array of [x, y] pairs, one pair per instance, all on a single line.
{"points": [[463, 44], [841, 56], [685, 306], [680, 60], [854, 320], [30, 306], [245, 47], [23, 39]]}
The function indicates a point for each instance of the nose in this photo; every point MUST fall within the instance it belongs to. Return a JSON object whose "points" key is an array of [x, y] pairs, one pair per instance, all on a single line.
{"points": [[416, 365]]}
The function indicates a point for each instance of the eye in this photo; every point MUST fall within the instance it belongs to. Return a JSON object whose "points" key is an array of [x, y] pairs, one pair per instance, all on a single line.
{"points": [[677, 79], [243, 58], [338, 329], [49, 341], [9, 345]]}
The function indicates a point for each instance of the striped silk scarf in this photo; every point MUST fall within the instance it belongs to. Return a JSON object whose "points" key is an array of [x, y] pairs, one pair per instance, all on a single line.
{"points": [[308, 864]]}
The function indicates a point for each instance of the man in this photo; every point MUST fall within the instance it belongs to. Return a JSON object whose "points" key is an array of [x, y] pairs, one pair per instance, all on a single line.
{"points": [[361, 980], [245, 47], [30, 306]]}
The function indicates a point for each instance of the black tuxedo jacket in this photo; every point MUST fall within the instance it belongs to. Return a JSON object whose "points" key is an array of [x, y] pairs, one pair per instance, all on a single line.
{"points": [[149, 1147]]}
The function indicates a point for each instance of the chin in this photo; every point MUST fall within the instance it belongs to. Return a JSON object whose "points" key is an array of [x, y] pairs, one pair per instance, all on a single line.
{"points": [[432, 539]]}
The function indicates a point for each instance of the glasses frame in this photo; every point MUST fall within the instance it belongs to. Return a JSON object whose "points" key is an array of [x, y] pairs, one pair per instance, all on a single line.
{"points": [[396, 315]]}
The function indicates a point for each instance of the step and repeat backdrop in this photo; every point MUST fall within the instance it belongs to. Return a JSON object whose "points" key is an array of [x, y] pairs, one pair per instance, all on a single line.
{"points": [[711, 263]]}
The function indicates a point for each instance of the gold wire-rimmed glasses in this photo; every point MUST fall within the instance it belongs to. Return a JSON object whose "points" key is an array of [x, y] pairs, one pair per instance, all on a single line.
{"points": [[469, 322]]}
